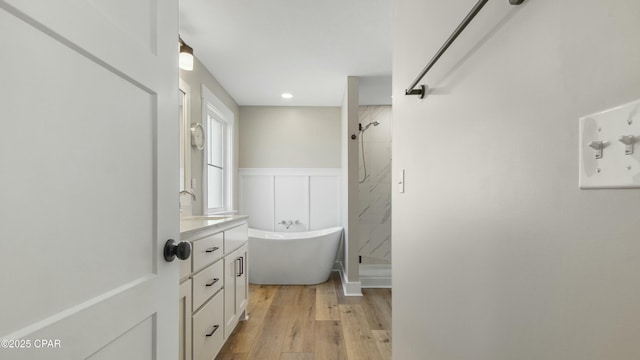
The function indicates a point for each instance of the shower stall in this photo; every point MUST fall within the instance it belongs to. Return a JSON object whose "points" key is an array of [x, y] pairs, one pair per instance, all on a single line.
{"points": [[374, 194]]}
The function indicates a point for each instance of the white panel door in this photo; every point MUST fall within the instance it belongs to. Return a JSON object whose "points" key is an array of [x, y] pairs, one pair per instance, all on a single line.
{"points": [[89, 182], [236, 287]]}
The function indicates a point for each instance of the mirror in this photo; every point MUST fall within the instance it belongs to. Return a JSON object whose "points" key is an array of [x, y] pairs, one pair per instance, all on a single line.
{"points": [[185, 136]]}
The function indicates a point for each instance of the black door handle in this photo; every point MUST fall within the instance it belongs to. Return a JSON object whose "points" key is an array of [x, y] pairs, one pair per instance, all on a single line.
{"points": [[173, 249]]}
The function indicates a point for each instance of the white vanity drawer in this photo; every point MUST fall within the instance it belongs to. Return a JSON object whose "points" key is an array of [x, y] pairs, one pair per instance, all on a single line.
{"points": [[207, 250], [208, 328], [207, 282]]}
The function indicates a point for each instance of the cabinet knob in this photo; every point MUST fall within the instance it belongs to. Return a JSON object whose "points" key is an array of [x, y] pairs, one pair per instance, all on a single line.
{"points": [[173, 249]]}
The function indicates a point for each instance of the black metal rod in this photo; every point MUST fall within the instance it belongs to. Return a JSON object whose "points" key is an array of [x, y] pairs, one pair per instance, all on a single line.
{"points": [[411, 90], [476, 9]]}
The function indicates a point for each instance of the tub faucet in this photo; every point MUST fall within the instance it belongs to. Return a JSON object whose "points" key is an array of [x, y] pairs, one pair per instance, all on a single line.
{"points": [[286, 224]]}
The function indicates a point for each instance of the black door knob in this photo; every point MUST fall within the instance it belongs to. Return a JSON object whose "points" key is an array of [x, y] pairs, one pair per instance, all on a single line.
{"points": [[173, 249]]}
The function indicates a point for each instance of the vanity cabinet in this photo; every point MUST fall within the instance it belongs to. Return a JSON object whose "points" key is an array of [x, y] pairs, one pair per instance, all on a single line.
{"points": [[236, 286], [214, 287], [207, 250], [208, 329], [184, 302]]}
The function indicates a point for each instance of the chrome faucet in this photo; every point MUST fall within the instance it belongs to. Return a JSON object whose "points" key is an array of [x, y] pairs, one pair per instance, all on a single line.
{"points": [[187, 192], [287, 224]]}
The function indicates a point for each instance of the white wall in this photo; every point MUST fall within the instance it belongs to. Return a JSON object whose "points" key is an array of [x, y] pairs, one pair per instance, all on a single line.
{"points": [[349, 186], [200, 75], [497, 253], [374, 90], [289, 137]]}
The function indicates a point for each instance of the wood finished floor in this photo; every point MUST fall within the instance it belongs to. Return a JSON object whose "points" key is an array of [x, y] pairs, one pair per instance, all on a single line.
{"points": [[312, 322]]}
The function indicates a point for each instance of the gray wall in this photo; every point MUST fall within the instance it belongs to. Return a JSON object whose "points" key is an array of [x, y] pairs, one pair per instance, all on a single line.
{"points": [[497, 254], [289, 137], [200, 75]]}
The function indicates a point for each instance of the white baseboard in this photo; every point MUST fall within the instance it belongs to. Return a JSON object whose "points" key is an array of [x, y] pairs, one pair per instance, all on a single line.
{"points": [[375, 275], [349, 288]]}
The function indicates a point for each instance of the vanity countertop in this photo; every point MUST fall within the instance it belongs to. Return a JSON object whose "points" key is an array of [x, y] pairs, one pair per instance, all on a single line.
{"points": [[194, 224]]}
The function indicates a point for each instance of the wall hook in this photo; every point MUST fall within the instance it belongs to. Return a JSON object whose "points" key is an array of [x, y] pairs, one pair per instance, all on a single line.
{"points": [[628, 141], [598, 146]]}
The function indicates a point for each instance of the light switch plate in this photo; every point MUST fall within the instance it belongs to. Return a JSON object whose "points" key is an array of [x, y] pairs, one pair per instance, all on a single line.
{"points": [[615, 168]]}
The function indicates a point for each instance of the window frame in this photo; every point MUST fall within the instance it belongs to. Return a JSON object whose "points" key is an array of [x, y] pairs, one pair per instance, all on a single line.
{"points": [[185, 139], [214, 107]]}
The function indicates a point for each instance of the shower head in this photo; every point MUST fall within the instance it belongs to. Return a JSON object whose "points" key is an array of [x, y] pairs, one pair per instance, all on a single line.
{"points": [[374, 123]]}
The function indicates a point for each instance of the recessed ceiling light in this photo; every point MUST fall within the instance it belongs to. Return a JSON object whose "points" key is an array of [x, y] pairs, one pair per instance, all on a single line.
{"points": [[287, 96]]}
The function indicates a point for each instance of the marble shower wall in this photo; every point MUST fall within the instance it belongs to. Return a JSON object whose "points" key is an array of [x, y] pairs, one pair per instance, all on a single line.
{"points": [[374, 194]]}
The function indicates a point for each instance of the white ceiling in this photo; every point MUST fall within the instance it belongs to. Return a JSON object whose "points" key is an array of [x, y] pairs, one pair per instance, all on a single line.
{"points": [[258, 49]]}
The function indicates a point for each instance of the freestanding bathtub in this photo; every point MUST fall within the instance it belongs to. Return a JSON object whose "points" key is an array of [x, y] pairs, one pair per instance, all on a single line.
{"points": [[292, 258]]}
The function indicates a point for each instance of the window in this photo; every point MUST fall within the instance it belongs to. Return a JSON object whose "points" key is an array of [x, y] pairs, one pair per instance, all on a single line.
{"points": [[215, 163], [218, 120]]}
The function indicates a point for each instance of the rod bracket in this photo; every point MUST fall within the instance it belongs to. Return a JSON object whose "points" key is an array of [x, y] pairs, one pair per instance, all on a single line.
{"points": [[421, 91]]}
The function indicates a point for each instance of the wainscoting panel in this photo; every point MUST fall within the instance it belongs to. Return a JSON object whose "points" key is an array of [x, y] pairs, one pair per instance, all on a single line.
{"points": [[257, 201], [324, 196], [311, 196], [292, 203]]}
